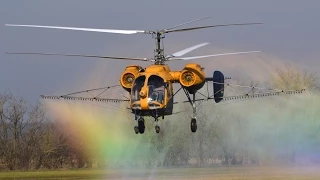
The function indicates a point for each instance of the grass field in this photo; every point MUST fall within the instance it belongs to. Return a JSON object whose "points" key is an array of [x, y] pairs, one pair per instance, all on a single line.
{"points": [[224, 173]]}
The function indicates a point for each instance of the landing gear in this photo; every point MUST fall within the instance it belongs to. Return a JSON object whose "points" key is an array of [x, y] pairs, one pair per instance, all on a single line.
{"points": [[156, 119], [157, 129], [141, 126], [136, 129], [193, 125]]}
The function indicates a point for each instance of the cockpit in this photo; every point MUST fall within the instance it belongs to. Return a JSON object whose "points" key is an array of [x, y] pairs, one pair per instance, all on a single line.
{"points": [[151, 89], [136, 88], [156, 89]]}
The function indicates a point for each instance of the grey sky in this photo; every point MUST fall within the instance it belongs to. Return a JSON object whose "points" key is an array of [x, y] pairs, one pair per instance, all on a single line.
{"points": [[290, 32]]}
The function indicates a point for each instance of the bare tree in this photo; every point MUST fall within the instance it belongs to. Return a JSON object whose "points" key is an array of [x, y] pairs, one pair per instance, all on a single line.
{"points": [[291, 78]]}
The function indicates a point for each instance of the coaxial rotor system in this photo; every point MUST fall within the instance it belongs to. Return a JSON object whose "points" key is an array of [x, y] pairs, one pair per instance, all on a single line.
{"points": [[158, 35]]}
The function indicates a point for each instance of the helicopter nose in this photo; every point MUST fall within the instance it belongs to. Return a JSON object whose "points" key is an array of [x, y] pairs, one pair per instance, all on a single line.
{"points": [[143, 93]]}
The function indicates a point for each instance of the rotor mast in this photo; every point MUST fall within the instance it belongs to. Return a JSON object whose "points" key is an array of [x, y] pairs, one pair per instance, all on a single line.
{"points": [[159, 57]]}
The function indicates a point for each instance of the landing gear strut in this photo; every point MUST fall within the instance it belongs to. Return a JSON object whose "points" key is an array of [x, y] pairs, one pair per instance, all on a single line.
{"points": [[157, 127], [193, 124], [140, 127]]}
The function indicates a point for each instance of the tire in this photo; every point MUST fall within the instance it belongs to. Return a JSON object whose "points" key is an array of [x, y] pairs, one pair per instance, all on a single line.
{"points": [[141, 126], [157, 129], [136, 129], [193, 125]]}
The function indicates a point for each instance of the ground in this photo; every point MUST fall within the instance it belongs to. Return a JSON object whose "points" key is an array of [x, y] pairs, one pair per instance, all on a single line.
{"points": [[223, 173]]}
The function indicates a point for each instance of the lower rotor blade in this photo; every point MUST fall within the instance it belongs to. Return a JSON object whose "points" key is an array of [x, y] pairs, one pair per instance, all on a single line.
{"points": [[213, 55], [87, 56]]}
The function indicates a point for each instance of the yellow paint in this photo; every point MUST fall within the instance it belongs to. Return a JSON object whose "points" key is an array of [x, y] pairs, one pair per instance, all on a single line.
{"points": [[190, 76], [195, 72], [131, 71]]}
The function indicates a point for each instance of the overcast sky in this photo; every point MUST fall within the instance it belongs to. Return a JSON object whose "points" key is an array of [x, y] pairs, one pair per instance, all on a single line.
{"points": [[290, 33]]}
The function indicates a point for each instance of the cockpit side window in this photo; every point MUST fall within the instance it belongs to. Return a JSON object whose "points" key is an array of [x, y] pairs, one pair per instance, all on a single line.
{"points": [[136, 88], [156, 89], [169, 90]]}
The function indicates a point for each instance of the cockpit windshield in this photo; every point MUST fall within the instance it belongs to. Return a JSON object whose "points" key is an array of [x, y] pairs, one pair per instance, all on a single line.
{"points": [[136, 88], [156, 89]]}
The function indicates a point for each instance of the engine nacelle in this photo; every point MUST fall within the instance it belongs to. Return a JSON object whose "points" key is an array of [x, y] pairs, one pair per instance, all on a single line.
{"points": [[218, 86], [129, 75], [192, 77]]}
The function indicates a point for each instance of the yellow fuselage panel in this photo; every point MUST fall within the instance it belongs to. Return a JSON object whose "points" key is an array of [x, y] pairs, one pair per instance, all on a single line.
{"points": [[193, 71], [157, 68], [162, 71]]}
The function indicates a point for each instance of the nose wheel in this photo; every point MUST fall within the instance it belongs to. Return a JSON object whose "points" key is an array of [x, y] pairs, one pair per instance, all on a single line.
{"points": [[140, 127], [157, 128], [193, 125]]}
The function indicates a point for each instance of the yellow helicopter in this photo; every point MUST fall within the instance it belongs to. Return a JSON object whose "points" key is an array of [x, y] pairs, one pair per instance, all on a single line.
{"points": [[150, 89]]}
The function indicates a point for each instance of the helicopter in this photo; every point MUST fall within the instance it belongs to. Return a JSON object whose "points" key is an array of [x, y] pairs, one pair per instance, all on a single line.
{"points": [[150, 89]]}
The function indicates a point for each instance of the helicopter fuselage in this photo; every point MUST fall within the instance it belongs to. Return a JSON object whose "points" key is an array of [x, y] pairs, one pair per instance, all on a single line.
{"points": [[151, 89], [152, 92]]}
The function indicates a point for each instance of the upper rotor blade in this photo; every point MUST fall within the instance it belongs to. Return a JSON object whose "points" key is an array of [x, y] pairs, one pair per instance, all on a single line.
{"points": [[90, 56], [185, 51], [202, 27], [83, 29], [213, 55], [186, 23]]}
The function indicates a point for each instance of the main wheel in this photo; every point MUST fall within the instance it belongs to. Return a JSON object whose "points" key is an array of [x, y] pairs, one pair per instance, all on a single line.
{"points": [[157, 129], [193, 125], [141, 125], [136, 129]]}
